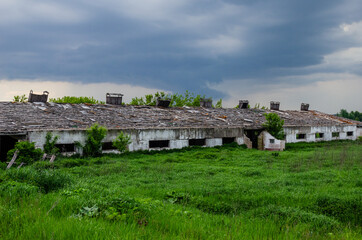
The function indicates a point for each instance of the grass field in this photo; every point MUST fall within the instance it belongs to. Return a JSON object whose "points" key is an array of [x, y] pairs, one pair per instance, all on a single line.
{"points": [[309, 191]]}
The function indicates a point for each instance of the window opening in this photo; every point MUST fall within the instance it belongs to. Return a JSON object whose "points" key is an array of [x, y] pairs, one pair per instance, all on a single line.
{"points": [[227, 140], [159, 143], [68, 147], [197, 142], [300, 136]]}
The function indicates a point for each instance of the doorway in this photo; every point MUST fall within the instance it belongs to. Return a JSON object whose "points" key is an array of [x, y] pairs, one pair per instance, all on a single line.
{"points": [[253, 135], [7, 142]]}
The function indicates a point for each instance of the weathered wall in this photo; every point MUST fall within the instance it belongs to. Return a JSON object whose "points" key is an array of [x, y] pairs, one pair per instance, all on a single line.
{"points": [[268, 142], [140, 137], [359, 132], [291, 133]]}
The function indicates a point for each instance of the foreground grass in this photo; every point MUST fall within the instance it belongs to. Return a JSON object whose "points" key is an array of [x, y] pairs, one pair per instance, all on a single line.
{"points": [[310, 191]]}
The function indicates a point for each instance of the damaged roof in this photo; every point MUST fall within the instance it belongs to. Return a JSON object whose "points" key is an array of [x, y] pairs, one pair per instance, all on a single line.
{"points": [[23, 117]]}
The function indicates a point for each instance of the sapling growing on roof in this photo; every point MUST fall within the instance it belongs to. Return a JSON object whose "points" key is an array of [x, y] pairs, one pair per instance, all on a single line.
{"points": [[274, 125]]}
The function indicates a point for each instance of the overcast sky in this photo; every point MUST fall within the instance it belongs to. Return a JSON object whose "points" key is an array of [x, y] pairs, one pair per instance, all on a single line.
{"points": [[282, 50]]}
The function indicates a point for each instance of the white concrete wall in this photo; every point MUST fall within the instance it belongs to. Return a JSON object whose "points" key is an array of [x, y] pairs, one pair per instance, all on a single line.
{"points": [[359, 132], [140, 137], [213, 142], [278, 145], [310, 132]]}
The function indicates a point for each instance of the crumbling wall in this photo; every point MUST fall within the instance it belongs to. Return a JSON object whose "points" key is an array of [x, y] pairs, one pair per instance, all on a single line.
{"points": [[140, 138], [268, 142], [327, 131]]}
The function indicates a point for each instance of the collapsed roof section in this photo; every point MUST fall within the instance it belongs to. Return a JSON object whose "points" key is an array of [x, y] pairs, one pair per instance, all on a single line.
{"points": [[24, 117]]}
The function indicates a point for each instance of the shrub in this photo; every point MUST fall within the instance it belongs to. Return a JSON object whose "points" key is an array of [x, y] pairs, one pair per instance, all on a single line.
{"points": [[219, 104], [274, 125], [49, 146], [46, 180], [76, 100], [93, 144], [27, 152], [121, 142], [21, 98]]}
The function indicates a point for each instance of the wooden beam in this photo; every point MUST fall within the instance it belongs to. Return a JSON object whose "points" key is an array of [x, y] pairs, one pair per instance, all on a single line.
{"points": [[13, 159]]}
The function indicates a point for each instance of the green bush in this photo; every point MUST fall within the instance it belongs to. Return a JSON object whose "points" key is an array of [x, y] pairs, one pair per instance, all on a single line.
{"points": [[274, 125], [121, 142], [76, 100], [177, 100], [27, 152], [19, 98], [46, 180], [49, 146], [93, 144]]}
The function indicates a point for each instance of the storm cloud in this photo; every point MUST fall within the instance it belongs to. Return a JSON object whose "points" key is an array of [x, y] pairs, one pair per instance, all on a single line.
{"points": [[222, 48]]}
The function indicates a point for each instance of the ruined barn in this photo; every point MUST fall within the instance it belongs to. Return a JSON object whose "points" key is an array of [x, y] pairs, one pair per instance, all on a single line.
{"points": [[152, 127]]}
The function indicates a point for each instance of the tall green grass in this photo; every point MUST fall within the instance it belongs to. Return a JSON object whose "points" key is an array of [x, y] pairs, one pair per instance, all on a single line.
{"points": [[309, 191]]}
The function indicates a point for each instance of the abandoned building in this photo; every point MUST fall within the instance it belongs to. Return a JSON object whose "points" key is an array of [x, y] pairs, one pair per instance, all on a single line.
{"points": [[152, 127]]}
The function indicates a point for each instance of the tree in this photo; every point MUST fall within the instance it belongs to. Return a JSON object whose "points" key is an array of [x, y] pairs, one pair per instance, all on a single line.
{"points": [[49, 146], [274, 125], [93, 144], [121, 142]]}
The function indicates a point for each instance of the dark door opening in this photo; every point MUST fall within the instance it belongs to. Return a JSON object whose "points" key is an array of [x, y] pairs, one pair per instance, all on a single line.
{"points": [[6, 143], [253, 135]]}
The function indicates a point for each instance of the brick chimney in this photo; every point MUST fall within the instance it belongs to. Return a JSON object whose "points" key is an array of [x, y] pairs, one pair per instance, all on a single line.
{"points": [[304, 107], [243, 104], [38, 97], [114, 98], [274, 105]]}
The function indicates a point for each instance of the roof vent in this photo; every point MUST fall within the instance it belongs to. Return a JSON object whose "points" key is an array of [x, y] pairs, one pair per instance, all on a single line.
{"points": [[114, 98], [243, 104], [304, 107], [163, 102], [274, 105], [206, 102], [38, 97]]}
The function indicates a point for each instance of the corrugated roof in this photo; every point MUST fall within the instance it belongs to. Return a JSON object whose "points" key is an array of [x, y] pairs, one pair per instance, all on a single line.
{"points": [[23, 117]]}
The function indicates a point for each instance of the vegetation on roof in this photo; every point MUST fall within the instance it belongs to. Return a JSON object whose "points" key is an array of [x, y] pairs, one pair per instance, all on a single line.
{"points": [[76, 100]]}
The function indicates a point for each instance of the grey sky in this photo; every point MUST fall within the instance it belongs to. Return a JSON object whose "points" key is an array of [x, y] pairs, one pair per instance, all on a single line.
{"points": [[273, 50]]}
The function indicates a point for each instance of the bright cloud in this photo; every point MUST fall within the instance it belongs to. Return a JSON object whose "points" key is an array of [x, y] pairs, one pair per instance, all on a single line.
{"points": [[57, 89]]}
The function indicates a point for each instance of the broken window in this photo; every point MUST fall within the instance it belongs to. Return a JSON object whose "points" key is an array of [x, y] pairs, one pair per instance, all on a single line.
{"points": [[68, 147], [301, 136], [159, 143], [197, 142], [349, 134], [319, 135], [108, 146], [271, 141], [335, 134], [227, 140]]}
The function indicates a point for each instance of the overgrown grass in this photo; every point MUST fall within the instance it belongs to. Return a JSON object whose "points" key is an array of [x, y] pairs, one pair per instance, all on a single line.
{"points": [[310, 191]]}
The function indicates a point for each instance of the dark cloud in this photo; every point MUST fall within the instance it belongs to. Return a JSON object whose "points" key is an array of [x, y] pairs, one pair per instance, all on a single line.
{"points": [[183, 48]]}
